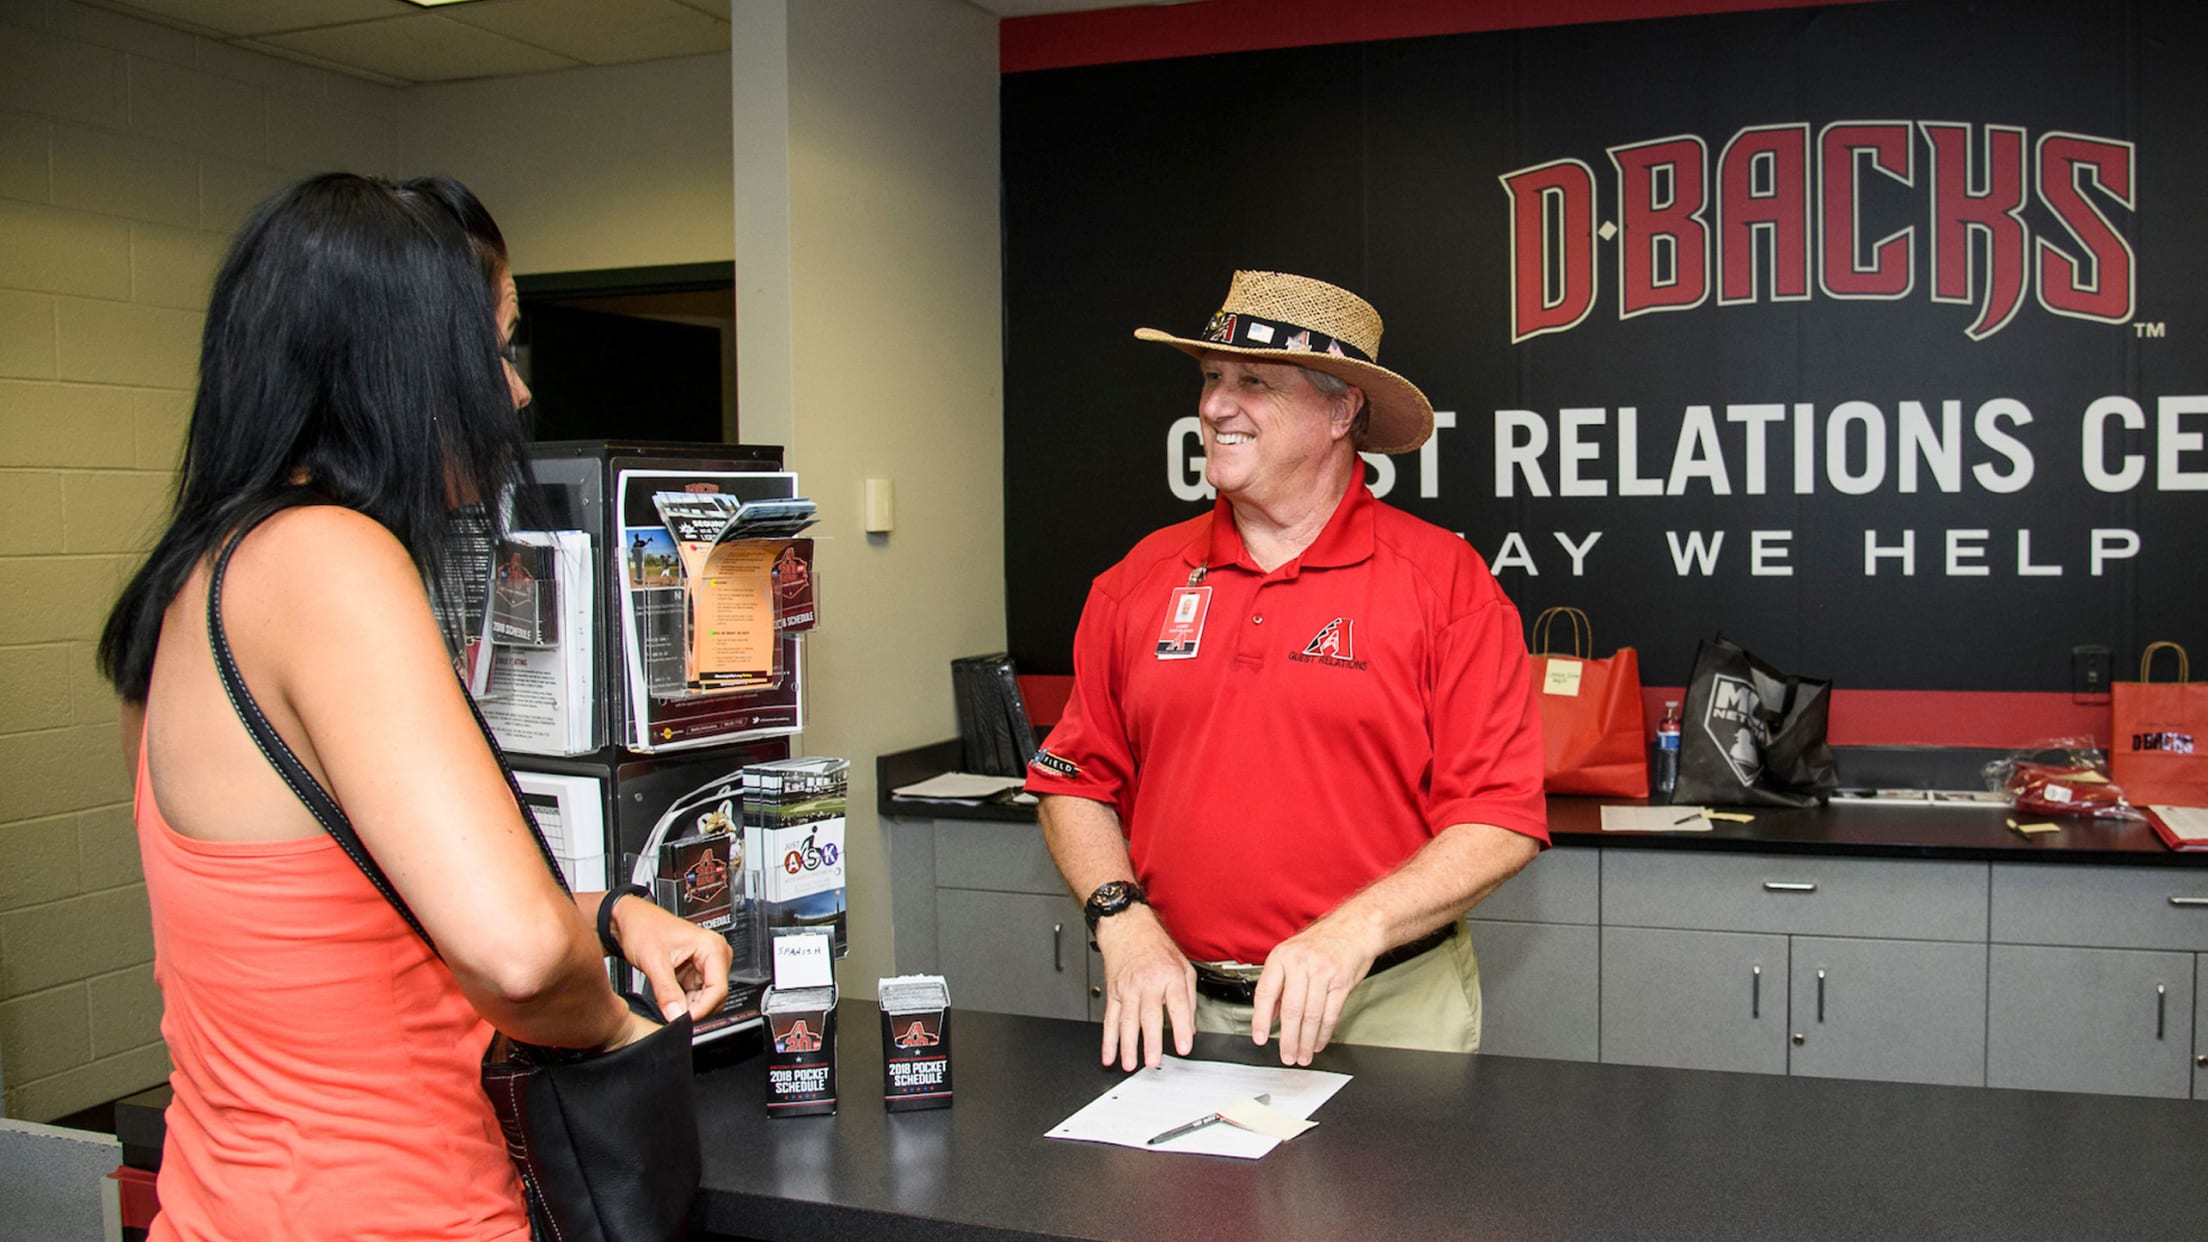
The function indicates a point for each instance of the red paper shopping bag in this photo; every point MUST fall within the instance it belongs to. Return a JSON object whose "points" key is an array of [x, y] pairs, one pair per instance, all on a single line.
{"points": [[2155, 723], [1591, 738]]}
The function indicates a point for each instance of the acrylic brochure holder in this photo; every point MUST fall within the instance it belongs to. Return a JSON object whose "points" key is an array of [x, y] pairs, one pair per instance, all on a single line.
{"points": [[541, 629], [745, 853], [711, 611]]}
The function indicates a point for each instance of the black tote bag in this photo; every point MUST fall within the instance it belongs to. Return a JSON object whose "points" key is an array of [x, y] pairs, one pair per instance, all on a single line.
{"points": [[1753, 735]]}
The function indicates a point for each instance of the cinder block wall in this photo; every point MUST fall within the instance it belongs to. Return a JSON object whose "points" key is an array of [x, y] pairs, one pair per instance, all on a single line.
{"points": [[128, 154]]}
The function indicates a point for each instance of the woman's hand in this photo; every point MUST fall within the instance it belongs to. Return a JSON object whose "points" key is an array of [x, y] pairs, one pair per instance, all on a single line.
{"points": [[637, 1027], [686, 964]]}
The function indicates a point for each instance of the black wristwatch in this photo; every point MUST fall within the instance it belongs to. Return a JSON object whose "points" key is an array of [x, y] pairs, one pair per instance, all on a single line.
{"points": [[1109, 899]]}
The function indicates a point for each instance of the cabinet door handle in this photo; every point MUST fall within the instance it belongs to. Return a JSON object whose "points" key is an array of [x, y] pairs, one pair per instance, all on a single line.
{"points": [[2161, 1008], [1057, 947], [1820, 994], [1755, 993], [2189, 901], [1788, 886]]}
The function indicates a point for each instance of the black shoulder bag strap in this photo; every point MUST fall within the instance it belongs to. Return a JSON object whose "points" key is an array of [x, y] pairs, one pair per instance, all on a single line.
{"points": [[318, 801]]}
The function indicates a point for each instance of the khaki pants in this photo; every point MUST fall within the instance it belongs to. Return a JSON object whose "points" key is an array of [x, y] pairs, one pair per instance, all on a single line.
{"points": [[1430, 1002]]}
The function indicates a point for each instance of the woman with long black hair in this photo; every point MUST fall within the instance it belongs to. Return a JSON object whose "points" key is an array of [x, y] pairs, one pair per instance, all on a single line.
{"points": [[351, 394]]}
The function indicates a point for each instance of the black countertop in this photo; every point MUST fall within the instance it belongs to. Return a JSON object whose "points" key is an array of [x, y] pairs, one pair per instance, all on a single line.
{"points": [[1840, 828], [1425, 1144], [1436, 1145]]}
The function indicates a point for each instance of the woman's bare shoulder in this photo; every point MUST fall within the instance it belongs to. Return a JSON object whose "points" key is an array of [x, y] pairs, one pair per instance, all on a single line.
{"points": [[323, 564]]}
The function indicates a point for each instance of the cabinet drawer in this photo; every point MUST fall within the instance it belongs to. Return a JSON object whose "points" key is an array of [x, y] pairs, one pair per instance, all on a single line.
{"points": [[1794, 894], [2101, 907], [1004, 858], [1558, 886]]}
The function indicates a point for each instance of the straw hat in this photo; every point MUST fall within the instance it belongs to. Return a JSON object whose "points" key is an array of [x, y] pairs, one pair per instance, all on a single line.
{"points": [[1279, 318]]}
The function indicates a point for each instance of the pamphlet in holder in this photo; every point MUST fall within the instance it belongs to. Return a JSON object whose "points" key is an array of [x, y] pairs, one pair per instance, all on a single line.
{"points": [[794, 819], [461, 595], [539, 696], [707, 657]]}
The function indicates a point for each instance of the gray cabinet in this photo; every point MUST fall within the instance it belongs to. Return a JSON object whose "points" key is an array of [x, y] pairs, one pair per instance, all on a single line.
{"points": [[1540, 989], [1694, 999], [2200, 1026], [1721, 961], [2093, 976], [1891, 1010], [2114, 1021], [1540, 960], [2042, 975], [980, 903], [1013, 952]]}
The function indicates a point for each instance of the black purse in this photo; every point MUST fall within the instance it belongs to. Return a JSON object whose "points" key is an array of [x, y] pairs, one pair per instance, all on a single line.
{"points": [[606, 1145]]}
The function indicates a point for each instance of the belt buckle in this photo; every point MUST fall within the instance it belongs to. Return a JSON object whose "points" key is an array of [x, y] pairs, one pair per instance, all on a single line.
{"points": [[1235, 982]]}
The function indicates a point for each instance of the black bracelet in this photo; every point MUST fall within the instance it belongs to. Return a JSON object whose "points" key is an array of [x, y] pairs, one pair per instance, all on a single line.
{"points": [[605, 916]]}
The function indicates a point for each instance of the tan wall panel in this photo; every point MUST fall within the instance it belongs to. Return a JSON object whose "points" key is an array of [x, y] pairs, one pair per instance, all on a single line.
{"points": [[65, 425]]}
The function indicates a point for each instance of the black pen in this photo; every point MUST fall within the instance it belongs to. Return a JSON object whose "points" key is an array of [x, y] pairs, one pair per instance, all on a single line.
{"points": [[1198, 1124]]}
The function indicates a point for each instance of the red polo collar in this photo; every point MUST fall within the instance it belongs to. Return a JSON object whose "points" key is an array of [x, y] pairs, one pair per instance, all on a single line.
{"points": [[1346, 539]]}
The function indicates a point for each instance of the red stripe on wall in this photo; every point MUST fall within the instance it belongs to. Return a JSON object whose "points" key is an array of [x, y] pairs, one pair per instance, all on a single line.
{"points": [[1998, 719], [1114, 36]]}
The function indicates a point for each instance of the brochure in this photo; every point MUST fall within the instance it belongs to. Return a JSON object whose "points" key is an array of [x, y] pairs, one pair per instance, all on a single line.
{"points": [[524, 601], [745, 680], [462, 598], [540, 698]]}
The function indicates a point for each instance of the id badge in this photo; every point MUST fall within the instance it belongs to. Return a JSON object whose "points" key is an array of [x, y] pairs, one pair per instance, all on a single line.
{"points": [[1184, 623]]}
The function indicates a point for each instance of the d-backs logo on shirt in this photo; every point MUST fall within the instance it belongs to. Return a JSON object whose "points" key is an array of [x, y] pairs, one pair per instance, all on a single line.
{"points": [[1331, 645]]}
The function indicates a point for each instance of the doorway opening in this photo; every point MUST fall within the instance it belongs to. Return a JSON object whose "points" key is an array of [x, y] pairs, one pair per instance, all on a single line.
{"points": [[639, 353]]}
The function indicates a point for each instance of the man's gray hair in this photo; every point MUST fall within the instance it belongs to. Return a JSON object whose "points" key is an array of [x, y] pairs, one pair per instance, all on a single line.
{"points": [[1330, 385]]}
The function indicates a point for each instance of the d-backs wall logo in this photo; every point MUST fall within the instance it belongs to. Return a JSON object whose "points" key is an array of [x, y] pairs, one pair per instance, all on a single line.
{"points": [[1778, 212]]}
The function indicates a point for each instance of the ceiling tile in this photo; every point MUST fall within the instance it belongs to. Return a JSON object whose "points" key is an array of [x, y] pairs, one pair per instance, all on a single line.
{"points": [[601, 32], [257, 17], [423, 47]]}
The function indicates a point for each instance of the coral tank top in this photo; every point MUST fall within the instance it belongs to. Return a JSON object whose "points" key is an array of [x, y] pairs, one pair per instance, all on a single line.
{"points": [[326, 1081]]}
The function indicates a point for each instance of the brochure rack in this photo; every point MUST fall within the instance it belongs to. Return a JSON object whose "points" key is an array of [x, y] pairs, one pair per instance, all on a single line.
{"points": [[656, 757]]}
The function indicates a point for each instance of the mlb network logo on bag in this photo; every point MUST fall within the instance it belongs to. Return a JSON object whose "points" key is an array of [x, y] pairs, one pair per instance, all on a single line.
{"points": [[1733, 723]]}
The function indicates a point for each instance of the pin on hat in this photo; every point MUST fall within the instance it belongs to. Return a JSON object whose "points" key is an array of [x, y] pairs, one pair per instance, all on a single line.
{"points": [[1279, 318]]}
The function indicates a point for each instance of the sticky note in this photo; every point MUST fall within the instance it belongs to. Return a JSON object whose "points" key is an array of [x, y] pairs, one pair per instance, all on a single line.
{"points": [[1257, 1118]]}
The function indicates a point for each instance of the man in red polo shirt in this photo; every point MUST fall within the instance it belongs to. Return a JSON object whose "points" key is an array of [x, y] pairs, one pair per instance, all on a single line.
{"points": [[1302, 740]]}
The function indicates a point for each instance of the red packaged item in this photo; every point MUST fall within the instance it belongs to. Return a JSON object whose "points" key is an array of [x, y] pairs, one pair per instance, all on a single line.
{"points": [[2061, 776], [2044, 789]]}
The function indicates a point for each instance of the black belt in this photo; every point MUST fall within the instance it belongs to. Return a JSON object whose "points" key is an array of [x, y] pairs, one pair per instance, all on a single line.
{"points": [[1240, 989]]}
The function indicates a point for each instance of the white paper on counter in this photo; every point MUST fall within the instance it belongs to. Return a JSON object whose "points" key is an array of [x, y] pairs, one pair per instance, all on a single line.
{"points": [[1654, 819], [959, 787], [1149, 1102]]}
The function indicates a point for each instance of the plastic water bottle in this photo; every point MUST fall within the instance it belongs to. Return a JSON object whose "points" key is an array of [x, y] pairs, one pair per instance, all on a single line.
{"points": [[1667, 750]]}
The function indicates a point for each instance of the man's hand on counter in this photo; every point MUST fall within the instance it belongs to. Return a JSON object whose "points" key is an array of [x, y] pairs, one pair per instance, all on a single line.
{"points": [[1307, 977], [1147, 983]]}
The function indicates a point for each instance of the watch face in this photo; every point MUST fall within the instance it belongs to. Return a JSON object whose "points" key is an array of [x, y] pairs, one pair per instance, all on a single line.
{"points": [[1109, 899]]}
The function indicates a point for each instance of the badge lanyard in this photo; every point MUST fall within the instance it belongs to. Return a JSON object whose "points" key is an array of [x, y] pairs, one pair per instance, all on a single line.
{"points": [[1183, 632]]}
